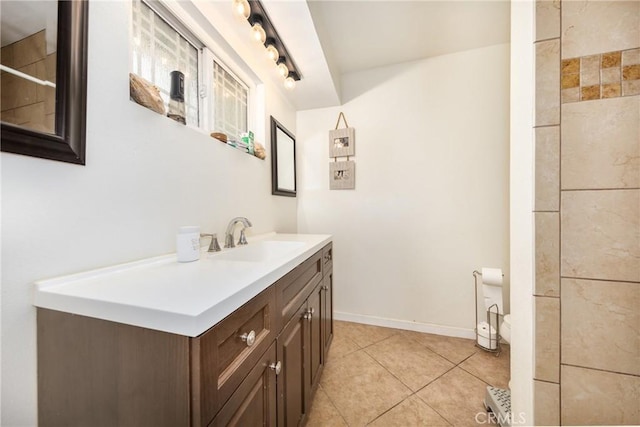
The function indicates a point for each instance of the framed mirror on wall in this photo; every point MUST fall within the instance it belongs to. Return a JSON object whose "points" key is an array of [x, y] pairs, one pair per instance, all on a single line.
{"points": [[44, 73], [283, 160]]}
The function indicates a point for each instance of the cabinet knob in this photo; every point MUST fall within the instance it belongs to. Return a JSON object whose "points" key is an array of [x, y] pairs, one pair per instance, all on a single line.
{"points": [[249, 338], [325, 288], [276, 367], [327, 256], [308, 315]]}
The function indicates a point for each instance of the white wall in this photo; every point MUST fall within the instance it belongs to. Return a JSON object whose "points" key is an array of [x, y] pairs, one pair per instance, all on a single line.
{"points": [[145, 176], [432, 189]]}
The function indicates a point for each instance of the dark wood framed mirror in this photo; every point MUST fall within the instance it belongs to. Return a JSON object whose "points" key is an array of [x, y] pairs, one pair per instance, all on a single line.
{"points": [[67, 141], [283, 160]]}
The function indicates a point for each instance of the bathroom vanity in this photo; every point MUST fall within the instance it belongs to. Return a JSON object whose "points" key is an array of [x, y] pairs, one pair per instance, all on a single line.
{"points": [[203, 352]]}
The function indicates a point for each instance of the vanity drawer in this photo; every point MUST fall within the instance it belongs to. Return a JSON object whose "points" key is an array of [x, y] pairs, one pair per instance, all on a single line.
{"points": [[327, 258], [226, 353], [294, 288]]}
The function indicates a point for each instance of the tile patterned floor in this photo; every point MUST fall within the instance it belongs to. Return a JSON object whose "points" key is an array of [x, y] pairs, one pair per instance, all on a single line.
{"points": [[389, 377]]}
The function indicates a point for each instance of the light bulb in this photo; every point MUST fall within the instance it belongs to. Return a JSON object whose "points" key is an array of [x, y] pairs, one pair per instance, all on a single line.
{"points": [[289, 83], [258, 33], [282, 69], [242, 8], [273, 53]]}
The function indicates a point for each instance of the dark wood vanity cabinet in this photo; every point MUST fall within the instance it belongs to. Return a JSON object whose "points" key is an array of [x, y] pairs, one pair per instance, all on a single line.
{"points": [[254, 402], [224, 355], [259, 366]]}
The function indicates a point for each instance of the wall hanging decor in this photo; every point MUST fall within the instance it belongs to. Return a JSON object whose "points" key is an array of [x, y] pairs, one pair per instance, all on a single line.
{"points": [[342, 143], [342, 175]]}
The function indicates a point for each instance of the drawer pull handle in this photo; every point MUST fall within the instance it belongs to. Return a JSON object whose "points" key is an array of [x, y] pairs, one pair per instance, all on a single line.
{"points": [[249, 338], [309, 313], [276, 367], [325, 288], [327, 257]]}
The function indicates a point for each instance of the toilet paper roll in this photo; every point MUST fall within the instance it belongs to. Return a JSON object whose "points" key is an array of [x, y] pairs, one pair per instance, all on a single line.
{"points": [[487, 336], [492, 276]]}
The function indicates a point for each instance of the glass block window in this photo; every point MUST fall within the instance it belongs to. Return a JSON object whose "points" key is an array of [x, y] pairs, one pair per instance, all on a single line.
{"points": [[230, 103], [159, 49]]}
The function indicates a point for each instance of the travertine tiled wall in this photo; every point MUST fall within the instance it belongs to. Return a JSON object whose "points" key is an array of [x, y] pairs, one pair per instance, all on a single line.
{"points": [[23, 102], [587, 213]]}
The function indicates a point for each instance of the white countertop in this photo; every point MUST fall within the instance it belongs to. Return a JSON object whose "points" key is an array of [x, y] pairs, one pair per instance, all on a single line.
{"points": [[182, 298]]}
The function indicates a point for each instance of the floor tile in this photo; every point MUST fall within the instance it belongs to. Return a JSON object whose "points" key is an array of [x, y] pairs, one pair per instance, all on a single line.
{"points": [[341, 345], [453, 349], [457, 396], [360, 388], [371, 370], [323, 412], [409, 361], [361, 334], [490, 368], [410, 412]]}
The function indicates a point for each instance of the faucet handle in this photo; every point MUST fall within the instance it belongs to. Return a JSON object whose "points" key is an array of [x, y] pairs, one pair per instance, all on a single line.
{"points": [[243, 239], [213, 246]]}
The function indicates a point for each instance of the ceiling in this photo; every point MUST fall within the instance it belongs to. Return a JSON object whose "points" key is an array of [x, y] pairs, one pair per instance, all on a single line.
{"points": [[368, 34], [330, 38]]}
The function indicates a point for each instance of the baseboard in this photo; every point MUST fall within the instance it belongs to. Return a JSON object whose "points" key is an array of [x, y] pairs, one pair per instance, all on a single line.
{"points": [[428, 328]]}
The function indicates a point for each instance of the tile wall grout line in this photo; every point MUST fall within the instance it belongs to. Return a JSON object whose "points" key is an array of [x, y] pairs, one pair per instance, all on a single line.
{"points": [[601, 370], [573, 190], [600, 280], [545, 296], [546, 381], [546, 40], [548, 296]]}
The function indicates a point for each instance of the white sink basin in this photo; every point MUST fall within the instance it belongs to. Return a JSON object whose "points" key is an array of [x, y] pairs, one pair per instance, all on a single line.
{"points": [[260, 251]]}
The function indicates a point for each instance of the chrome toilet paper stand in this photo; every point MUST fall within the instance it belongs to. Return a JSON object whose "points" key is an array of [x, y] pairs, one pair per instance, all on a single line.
{"points": [[490, 316]]}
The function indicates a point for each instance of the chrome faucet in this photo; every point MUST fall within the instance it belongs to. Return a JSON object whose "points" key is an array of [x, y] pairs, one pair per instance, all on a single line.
{"points": [[228, 236]]}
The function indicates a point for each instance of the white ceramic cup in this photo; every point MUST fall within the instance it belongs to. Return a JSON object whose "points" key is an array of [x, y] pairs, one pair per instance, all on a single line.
{"points": [[188, 243]]}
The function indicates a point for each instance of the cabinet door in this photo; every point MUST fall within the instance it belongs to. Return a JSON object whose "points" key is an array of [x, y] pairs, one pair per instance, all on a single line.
{"points": [[327, 258], [292, 387], [225, 354], [315, 346], [293, 289], [327, 312], [254, 401]]}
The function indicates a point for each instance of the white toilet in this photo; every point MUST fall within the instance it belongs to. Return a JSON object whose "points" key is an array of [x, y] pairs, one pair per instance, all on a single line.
{"points": [[505, 328]]}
